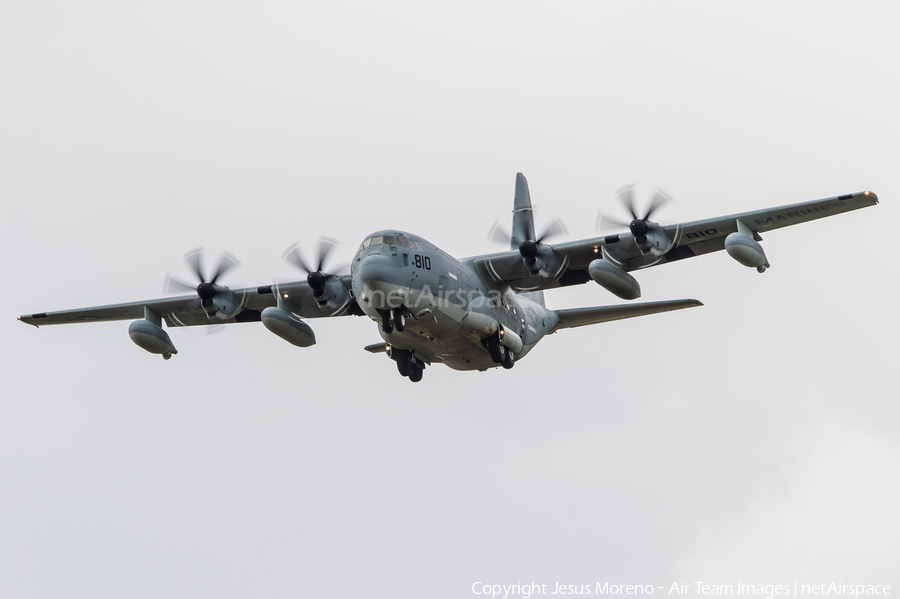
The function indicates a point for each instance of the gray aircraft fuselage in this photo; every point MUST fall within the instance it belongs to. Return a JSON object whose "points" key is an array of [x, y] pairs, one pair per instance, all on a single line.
{"points": [[451, 307]]}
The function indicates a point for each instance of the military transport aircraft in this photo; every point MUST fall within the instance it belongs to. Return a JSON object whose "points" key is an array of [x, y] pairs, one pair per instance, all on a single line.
{"points": [[470, 314]]}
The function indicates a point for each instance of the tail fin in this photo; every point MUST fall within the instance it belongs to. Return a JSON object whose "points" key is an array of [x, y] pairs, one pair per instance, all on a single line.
{"points": [[523, 216], [523, 226]]}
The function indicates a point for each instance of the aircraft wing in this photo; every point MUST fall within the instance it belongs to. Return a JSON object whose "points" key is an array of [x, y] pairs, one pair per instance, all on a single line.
{"points": [[185, 310], [691, 239]]}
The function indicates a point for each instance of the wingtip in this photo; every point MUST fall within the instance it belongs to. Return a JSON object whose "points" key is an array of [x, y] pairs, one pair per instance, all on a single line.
{"points": [[695, 303], [23, 317]]}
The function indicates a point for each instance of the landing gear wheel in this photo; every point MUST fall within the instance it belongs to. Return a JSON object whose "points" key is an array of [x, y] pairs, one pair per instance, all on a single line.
{"points": [[510, 360], [404, 367], [416, 374], [399, 318], [386, 323], [496, 349]]}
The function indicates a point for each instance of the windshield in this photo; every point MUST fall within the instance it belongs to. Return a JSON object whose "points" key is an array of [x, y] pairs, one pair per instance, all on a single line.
{"points": [[393, 240]]}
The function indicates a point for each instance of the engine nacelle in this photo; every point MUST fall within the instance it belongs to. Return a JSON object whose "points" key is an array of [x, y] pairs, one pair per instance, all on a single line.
{"points": [[614, 279], [745, 250], [656, 242], [510, 340], [152, 338], [333, 296], [540, 260], [287, 327], [223, 305]]}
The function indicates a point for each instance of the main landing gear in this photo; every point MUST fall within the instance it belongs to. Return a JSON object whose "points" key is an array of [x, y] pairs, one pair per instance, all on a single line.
{"points": [[500, 354], [394, 319], [407, 364]]}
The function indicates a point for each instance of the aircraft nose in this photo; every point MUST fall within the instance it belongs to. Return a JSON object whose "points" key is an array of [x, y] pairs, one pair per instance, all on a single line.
{"points": [[376, 268], [380, 281]]}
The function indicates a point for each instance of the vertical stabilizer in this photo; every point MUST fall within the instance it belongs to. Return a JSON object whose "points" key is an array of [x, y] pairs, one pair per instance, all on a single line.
{"points": [[523, 225], [523, 216]]}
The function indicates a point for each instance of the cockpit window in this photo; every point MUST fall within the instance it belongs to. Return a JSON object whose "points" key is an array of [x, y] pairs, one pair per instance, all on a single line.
{"points": [[395, 240]]}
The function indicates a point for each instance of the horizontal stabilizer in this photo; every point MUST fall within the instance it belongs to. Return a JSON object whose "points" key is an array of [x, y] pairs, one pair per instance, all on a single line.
{"points": [[579, 317]]}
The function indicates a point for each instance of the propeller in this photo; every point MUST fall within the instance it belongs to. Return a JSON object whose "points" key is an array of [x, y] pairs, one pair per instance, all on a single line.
{"points": [[639, 224], [316, 277], [528, 248], [206, 289]]}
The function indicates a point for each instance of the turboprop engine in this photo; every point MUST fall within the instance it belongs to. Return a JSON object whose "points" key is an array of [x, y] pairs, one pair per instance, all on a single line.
{"points": [[327, 289], [614, 279], [293, 330], [649, 237], [218, 301], [539, 259], [742, 247]]}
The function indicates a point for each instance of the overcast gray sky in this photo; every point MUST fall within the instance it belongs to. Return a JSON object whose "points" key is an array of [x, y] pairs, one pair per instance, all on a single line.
{"points": [[755, 439]]}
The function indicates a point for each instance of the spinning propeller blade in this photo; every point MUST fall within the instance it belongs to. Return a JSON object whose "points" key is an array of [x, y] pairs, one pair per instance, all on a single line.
{"points": [[173, 284], [553, 229], [499, 235], [639, 224], [206, 290], [316, 278]]}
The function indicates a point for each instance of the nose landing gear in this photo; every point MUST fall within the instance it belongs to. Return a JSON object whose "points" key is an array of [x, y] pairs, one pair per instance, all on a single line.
{"points": [[394, 319], [399, 317]]}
